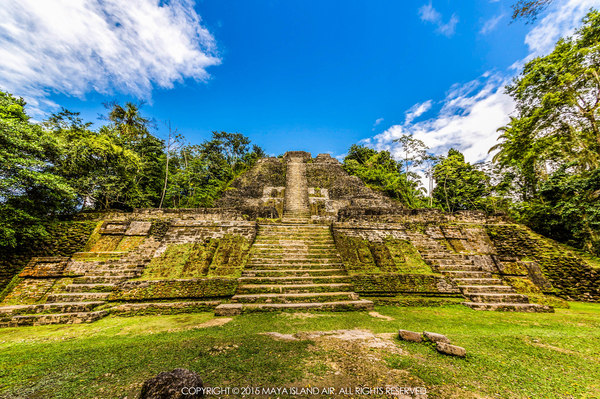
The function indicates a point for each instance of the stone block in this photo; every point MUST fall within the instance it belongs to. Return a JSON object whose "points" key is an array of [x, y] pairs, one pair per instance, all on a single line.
{"points": [[434, 337], [114, 228], [138, 229], [410, 336], [45, 267], [451, 350], [177, 384]]}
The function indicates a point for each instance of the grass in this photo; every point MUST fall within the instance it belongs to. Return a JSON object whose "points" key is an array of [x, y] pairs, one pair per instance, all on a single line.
{"points": [[509, 355]]}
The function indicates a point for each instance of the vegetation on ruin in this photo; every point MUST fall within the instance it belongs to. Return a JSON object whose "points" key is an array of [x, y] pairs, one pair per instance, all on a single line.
{"points": [[509, 355], [546, 167], [62, 166]]}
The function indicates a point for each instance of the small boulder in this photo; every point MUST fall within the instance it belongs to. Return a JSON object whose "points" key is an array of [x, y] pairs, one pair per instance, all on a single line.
{"points": [[451, 350], [169, 385], [410, 336], [433, 337]]}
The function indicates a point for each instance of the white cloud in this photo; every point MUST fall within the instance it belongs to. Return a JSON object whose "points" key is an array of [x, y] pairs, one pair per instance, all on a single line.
{"points": [[378, 121], [77, 46], [429, 14], [562, 20], [472, 112], [491, 24], [416, 110], [448, 28], [467, 121]]}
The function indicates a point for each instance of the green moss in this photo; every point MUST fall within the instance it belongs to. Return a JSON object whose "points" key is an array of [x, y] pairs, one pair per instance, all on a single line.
{"points": [[407, 258], [570, 275], [224, 257], [392, 283], [548, 300], [106, 243], [173, 289], [94, 237], [129, 243], [416, 301], [16, 280]]}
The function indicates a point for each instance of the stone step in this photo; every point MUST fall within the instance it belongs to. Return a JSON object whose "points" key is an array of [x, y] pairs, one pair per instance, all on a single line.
{"points": [[57, 307], [464, 274], [56, 318], [232, 309], [293, 266], [293, 251], [78, 297], [458, 268], [120, 266], [290, 237], [477, 281], [87, 279], [269, 257], [444, 255], [450, 262], [497, 298], [130, 273], [163, 308], [295, 280], [291, 272], [488, 289], [293, 227], [510, 307], [308, 245], [296, 298], [250, 289], [100, 287]]}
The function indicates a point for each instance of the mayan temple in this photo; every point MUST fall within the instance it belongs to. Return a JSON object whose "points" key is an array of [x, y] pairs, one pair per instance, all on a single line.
{"points": [[293, 233]]}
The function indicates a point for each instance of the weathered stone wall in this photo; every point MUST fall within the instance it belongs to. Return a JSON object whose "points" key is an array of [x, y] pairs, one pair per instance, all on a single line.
{"points": [[383, 262], [258, 192], [553, 269], [64, 239], [151, 214], [332, 189], [174, 289]]}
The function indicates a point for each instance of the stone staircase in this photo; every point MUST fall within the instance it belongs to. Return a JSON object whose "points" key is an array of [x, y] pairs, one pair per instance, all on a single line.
{"points": [[482, 290], [83, 300], [294, 267], [296, 208]]}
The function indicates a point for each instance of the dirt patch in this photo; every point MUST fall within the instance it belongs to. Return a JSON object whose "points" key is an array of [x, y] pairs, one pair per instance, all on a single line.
{"points": [[302, 316], [211, 323], [280, 337], [380, 316]]}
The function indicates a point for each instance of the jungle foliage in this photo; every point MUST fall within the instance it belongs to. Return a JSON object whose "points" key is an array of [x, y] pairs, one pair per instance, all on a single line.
{"points": [[546, 167], [62, 166]]}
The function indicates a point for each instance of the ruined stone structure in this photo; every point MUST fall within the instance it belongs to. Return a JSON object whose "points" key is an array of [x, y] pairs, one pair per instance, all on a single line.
{"points": [[293, 233]]}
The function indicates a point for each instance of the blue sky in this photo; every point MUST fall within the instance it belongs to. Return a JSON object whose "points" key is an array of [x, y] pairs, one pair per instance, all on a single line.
{"points": [[292, 75]]}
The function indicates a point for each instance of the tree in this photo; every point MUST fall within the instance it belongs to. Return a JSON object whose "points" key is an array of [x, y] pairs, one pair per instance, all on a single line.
{"points": [[127, 121], [380, 171], [558, 104], [101, 171], [529, 9], [174, 143], [459, 185], [30, 190]]}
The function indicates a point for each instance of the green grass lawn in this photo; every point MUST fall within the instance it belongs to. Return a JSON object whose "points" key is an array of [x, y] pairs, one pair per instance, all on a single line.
{"points": [[510, 355]]}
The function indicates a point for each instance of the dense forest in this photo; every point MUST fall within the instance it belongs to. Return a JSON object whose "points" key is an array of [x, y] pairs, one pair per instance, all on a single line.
{"points": [[545, 170]]}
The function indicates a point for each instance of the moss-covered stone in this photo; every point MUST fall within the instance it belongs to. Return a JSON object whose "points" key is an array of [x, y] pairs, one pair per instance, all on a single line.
{"points": [[223, 257], [415, 301], [569, 274], [393, 283], [174, 289], [63, 239]]}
